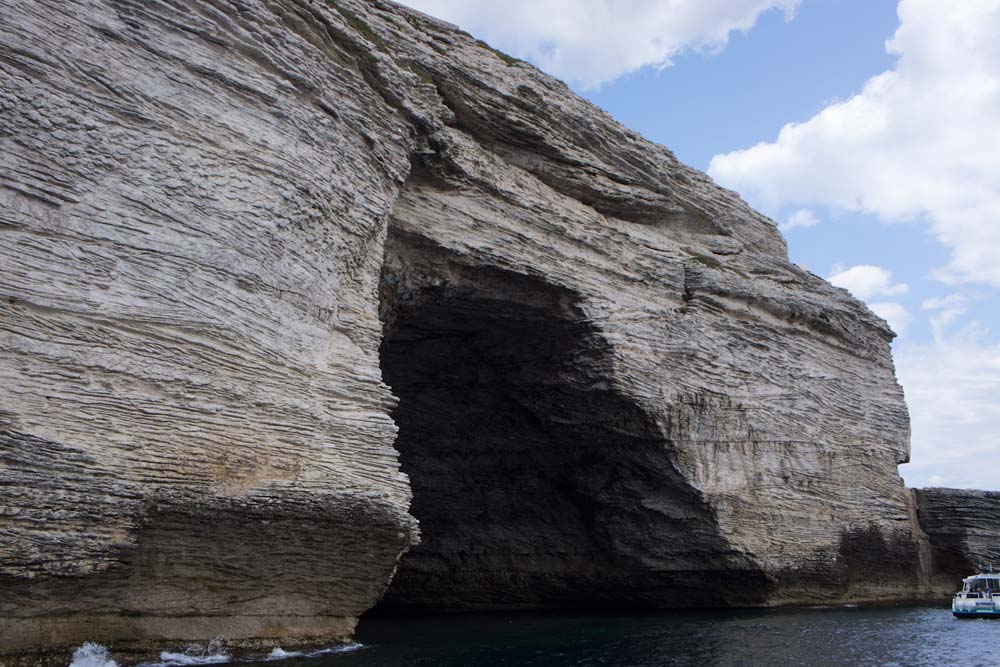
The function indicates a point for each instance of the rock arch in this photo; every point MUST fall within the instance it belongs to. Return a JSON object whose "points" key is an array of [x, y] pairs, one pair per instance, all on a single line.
{"points": [[537, 482]]}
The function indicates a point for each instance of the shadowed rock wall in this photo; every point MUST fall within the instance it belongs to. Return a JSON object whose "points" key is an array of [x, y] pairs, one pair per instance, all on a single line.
{"points": [[197, 426], [963, 530], [536, 483]]}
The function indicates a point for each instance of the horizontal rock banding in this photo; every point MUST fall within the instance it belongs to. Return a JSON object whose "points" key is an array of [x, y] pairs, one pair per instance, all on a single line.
{"points": [[196, 424]]}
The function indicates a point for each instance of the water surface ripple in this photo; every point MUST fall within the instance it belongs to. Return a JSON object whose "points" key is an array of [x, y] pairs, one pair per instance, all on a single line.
{"points": [[838, 637]]}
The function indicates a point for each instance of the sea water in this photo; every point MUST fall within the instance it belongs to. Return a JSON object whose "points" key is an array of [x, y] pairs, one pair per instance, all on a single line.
{"points": [[813, 637], [807, 637]]}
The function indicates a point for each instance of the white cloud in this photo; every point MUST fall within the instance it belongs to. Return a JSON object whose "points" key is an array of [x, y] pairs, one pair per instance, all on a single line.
{"points": [[591, 42], [802, 218], [950, 302], [865, 281], [953, 391], [895, 314], [946, 310], [921, 141], [952, 388]]}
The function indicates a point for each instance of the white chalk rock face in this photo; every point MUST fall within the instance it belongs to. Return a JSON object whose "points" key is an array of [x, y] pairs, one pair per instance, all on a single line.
{"points": [[282, 279]]}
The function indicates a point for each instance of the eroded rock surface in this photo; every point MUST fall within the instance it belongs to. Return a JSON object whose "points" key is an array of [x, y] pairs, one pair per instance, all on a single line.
{"points": [[196, 438], [613, 387], [963, 530]]}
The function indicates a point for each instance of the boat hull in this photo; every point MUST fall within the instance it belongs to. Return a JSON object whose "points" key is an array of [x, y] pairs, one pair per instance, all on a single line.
{"points": [[976, 613]]}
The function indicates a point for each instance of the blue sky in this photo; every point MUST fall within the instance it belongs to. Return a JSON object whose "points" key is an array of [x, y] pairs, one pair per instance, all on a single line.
{"points": [[779, 71], [868, 129]]}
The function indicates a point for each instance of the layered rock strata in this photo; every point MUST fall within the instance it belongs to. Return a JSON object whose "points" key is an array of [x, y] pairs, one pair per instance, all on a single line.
{"points": [[264, 260], [962, 528]]}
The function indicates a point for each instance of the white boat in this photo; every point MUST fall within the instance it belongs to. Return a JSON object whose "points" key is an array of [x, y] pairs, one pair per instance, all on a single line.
{"points": [[980, 596]]}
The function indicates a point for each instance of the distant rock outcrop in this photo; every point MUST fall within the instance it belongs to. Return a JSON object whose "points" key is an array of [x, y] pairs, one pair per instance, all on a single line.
{"points": [[963, 529], [272, 270]]}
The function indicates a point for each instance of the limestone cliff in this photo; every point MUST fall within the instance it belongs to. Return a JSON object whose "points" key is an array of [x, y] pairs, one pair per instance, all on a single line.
{"points": [[272, 269], [962, 528]]}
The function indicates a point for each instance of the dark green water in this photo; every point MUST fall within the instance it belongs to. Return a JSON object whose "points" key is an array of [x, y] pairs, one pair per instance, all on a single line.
{"points": [[884, 637]]}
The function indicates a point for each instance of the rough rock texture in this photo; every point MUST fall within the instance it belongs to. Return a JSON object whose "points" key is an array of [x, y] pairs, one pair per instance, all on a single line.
{"points": [[963, 530], [196, 439], [614, 389]]}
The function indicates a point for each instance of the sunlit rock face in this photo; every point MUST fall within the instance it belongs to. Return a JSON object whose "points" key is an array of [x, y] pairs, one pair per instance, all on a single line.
{"points": [[282, 279]]}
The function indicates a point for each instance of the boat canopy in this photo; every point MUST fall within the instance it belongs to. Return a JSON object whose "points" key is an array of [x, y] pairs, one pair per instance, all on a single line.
{"points": [[981, 582]]}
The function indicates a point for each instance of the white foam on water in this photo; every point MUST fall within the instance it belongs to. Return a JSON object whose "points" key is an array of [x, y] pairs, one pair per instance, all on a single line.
{"points": [[211, 654], [95, 655], [168, 659], [92, 655], [278, 653], [346, 648]]}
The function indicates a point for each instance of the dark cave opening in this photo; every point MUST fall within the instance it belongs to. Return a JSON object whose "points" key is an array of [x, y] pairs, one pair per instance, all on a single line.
{"points": [[537, 485]]}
